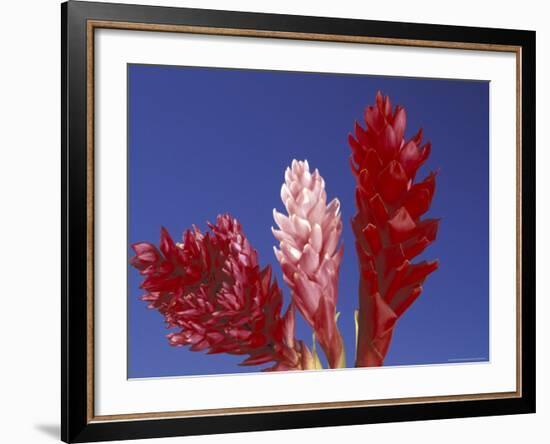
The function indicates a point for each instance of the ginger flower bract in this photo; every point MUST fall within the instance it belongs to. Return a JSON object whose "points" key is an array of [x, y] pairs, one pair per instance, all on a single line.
{"points": [[211, 289], [388, 227], [310, 255]]}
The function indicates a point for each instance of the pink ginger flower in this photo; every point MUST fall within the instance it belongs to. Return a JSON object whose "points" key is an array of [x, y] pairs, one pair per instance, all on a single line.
{"points": [[212, 290], [309, 254]]}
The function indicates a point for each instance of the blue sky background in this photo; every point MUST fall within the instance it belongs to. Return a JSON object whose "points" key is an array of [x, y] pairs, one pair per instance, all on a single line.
{"points": [[204, 141]]}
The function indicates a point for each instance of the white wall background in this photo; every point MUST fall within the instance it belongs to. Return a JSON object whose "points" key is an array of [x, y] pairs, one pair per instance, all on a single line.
{"points": [[30, 208]]}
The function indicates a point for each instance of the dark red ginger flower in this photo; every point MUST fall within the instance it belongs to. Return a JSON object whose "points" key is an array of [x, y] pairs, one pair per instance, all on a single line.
{"points": [[211, 288], [388, 230]]}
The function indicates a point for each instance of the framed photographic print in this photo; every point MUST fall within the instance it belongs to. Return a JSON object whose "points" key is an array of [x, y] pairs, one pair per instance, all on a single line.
{"points": [[276, 221]]}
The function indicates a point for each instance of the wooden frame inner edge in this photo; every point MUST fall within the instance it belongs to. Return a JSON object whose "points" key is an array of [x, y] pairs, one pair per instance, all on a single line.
{"points": [[94, 24]]}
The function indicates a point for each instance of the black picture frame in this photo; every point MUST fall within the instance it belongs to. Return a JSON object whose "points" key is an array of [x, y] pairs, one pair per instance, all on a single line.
{"points": [[76, 423]]}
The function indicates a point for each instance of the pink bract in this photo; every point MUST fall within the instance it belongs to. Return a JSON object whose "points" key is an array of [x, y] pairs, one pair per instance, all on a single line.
{"points": [[309, 254]]}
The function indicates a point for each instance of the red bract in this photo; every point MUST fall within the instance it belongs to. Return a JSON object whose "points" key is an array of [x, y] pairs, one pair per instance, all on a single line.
{"points": [[387, 226], [211, 288]]}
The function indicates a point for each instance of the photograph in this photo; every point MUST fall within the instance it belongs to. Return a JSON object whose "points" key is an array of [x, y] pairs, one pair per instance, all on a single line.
{"points": [[288, 221]]}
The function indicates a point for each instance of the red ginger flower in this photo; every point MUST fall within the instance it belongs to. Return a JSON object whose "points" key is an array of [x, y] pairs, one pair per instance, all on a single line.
{"points": [[387, 226], [212, 289]]}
